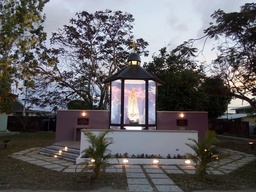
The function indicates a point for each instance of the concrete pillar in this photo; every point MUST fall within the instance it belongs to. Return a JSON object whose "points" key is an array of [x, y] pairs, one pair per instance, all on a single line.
{"points": [[3, 122]]}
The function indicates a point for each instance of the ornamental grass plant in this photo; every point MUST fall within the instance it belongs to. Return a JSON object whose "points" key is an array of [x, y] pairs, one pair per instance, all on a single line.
{"points": [[205, 152], [97, 152]]}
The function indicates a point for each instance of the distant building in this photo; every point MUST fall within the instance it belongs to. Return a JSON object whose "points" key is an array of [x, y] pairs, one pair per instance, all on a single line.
{"points": [[245, 109], [35, 120], [19, 107], [242, 114]]}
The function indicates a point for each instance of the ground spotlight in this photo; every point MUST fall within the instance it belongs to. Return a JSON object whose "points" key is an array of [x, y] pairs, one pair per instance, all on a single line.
{"points": [[187, 162], [125, 161], [156, 161]]}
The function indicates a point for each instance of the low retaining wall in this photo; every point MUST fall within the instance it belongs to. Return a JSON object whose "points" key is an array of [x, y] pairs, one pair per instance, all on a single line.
{"points": [[69, 122], [145, 142]]}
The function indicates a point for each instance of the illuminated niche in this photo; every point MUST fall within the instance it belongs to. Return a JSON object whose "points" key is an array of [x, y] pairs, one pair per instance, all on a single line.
{"points": [[133, 93]]}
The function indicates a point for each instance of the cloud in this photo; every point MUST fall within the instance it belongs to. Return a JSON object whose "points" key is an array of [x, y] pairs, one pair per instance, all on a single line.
{"points": [[159, 22], [207, 7]]}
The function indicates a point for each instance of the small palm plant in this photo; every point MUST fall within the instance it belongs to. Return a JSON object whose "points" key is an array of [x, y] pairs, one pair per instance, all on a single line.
{"points": [[205, 152], [97, 152]]}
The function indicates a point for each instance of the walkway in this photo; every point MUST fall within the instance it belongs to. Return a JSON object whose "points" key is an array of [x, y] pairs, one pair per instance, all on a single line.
{"points": [[140, 177]]}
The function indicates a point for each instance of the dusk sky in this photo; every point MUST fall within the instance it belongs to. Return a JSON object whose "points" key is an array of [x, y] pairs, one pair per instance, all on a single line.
{"points": [[161, 23]]}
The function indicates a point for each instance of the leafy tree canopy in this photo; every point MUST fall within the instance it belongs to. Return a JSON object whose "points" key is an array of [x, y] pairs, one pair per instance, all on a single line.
{"points": [[235, 43], [83, 54], [218, 96], [186, 86], [21, 34], [77, 104]]}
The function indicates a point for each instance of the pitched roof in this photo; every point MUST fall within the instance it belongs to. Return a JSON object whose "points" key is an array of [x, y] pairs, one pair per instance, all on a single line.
{"points": [[133, 72], [235, 116]]}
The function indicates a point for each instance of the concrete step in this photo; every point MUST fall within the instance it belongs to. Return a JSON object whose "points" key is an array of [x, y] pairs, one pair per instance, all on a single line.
{"points": [[59, 147], [69, 154]]}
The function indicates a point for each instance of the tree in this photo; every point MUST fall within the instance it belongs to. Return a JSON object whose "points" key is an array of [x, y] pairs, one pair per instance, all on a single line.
{"points": [[186, 87], [83, 54], [21, 34], [77, 104], [181, 77], [218, 96], [236, 61]]}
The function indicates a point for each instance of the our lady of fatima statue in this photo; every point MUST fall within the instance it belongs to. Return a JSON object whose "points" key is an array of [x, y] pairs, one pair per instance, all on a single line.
{"points": [[133, 109]]}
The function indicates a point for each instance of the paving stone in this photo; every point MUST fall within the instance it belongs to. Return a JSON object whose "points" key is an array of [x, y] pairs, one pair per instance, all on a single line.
{"points": [[215, 172], [70, 170], [233, 165], [154, 171], [190, 167], [46, 158], [132, 166], [137, 181], [152, 175], [250, 155], [215, 164], [118, 166], [41, 163], [247, 159], [113, 170], [77, 166], [67, 163], [33, 161], [36, 156], [60, 161], [136, 175], [172, 188], [23, 158], [163, 181], [151, 166], [224, 162], [169, 167], [134, 170], [177, 171], [189, 171], [57, 169], [140, 188], [240, 164], [226, 171]]}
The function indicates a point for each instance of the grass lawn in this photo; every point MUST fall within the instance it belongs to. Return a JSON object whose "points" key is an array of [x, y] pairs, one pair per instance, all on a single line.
{"points": [[18, 174]]}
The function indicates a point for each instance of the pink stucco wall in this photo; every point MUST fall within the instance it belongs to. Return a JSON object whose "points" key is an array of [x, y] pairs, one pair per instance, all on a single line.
{"points": [[167, 120], [67, 128]]}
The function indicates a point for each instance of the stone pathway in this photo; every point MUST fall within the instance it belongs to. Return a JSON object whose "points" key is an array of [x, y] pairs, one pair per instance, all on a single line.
{"points": [[140, 177]]}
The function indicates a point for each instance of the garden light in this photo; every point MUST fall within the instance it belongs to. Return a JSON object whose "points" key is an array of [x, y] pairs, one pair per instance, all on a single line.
{"points": [[55, 156], [156, 161], [60, 152], [92, 160], [187, 162], [66, 149], [251, 144], [125, 161]]}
